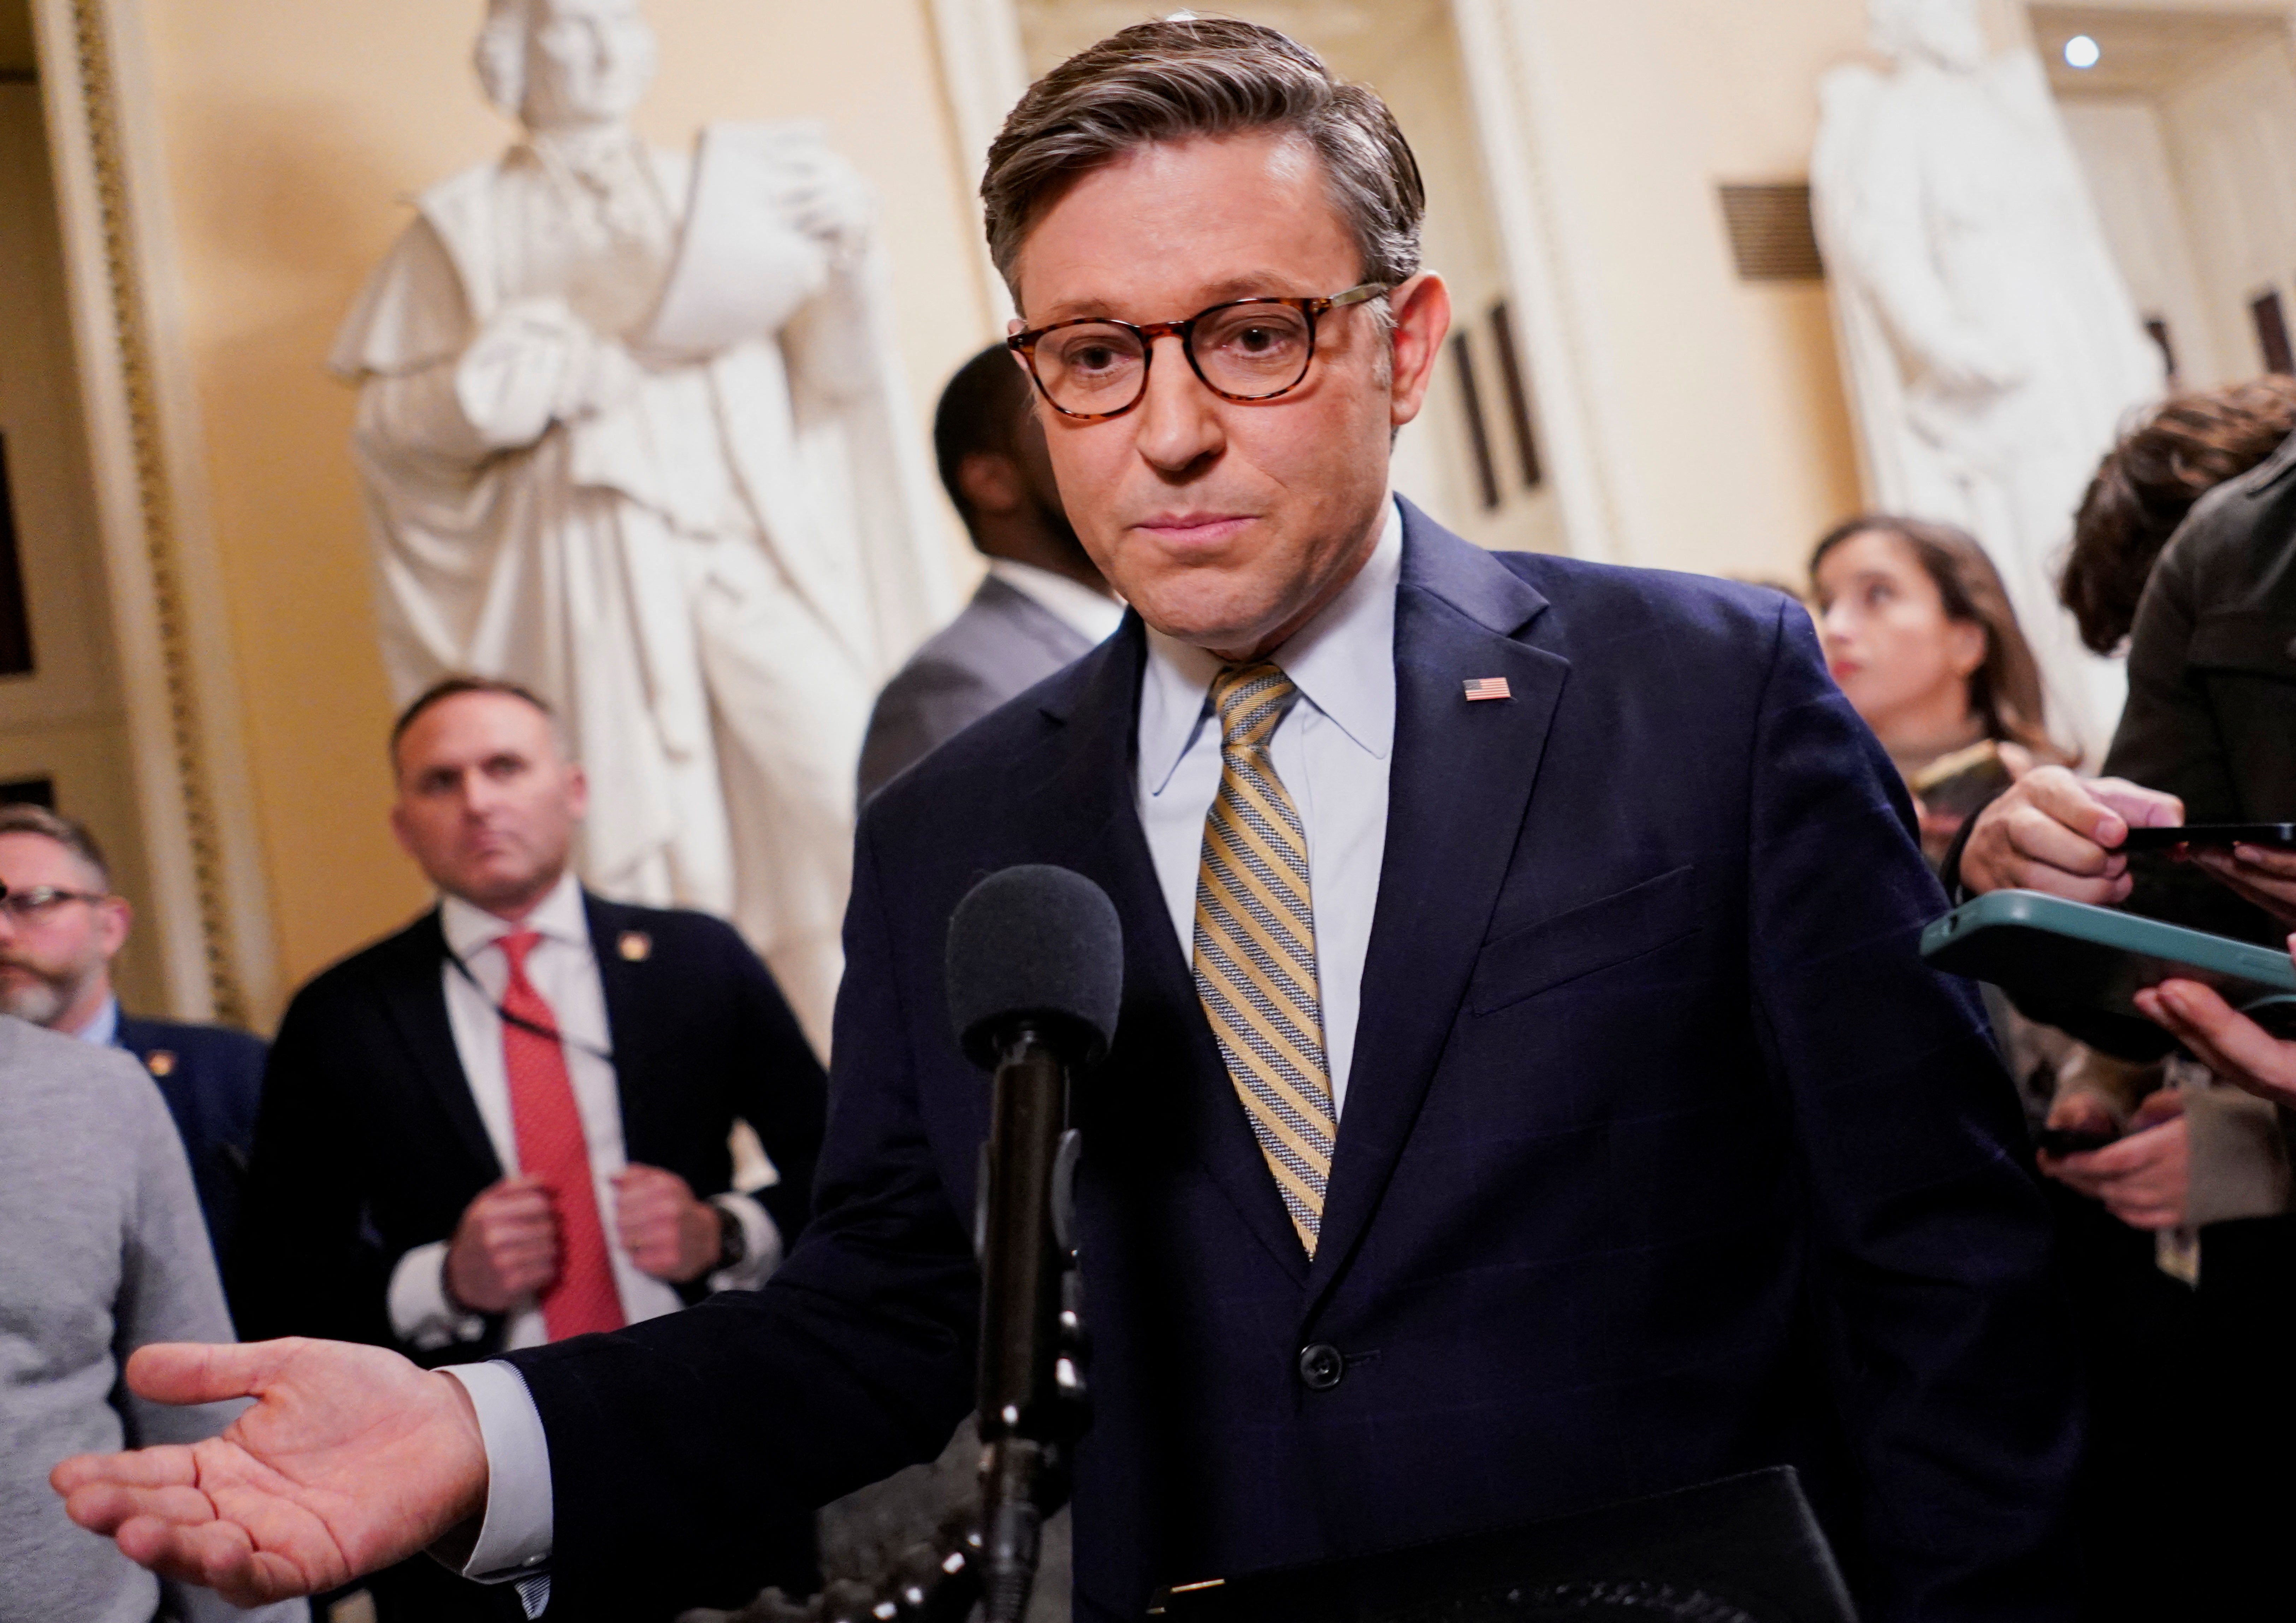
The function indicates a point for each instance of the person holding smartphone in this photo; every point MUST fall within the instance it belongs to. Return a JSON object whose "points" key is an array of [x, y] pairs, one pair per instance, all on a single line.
{"points": [[2224, 1040], [2183, 547]]}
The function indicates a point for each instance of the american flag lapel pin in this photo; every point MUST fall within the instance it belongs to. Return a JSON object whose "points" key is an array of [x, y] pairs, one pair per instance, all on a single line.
{"points": [[1488, 687], [637, 946]]}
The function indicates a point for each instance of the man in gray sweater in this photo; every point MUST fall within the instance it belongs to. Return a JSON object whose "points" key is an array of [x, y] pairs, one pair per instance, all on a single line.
{"points": [[102, 1251]]}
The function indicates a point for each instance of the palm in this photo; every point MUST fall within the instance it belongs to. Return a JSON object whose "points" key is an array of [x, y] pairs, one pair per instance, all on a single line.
{"points": [[351, 1458]]}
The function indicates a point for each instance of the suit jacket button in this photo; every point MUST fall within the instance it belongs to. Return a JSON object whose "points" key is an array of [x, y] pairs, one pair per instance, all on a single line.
{"points": [[1321, 1367]]}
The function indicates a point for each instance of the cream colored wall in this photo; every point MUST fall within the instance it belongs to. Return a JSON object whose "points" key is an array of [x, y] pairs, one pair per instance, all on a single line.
{"points": [[291, 134], [1418, 74], [1736, 437], [2231, 137]]}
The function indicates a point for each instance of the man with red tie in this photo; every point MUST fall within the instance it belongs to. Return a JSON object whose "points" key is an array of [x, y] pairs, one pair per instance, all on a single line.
{"points": [[508, 1124]]}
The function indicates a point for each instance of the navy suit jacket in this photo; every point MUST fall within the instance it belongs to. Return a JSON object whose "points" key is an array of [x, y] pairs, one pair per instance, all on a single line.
{"points": [[212, 1079], [369, 1143], [1663, 1155]]}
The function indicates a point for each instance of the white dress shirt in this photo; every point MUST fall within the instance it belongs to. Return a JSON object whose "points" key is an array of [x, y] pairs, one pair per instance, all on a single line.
{"points": [[1092, 615], [564, 970], [1332, 751]]}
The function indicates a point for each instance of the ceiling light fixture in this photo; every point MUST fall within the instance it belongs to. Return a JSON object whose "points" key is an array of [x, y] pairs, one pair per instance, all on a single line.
{"points": [[2082, 52]]}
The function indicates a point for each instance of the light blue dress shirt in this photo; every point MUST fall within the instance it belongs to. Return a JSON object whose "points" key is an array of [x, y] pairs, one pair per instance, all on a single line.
{"points": [[1331, 750], [103, 1030]]}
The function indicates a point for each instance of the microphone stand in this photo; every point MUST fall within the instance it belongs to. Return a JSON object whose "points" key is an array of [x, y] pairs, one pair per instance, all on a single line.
{"points": [[1030, 1393]]}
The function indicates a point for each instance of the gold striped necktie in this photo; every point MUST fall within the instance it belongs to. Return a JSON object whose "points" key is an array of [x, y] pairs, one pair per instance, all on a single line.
{"points": [[1256, 946]]}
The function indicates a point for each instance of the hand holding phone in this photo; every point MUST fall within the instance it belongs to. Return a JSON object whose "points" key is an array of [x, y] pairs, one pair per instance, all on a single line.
{"points": [[2198, 837], [2073, 1141]]}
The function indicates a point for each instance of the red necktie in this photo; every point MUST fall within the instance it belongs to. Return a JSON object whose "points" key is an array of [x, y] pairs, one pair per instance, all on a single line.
{"points": [[551, 1147]]}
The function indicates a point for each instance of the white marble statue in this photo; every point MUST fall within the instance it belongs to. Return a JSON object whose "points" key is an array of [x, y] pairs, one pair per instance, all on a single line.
{"points": [[632, 432], [1991, 347]]}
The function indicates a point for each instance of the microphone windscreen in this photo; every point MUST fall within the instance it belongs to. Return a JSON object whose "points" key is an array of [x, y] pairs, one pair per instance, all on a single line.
{"points": [[1035, 942]]}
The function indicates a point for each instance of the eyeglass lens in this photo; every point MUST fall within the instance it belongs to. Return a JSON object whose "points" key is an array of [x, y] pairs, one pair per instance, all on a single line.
{"points": [[1245, 350]]}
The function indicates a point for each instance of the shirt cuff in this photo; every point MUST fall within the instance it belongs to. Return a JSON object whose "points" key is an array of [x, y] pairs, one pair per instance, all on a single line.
{"points": [[516, 1535], [762, 1239], [420, 1315]]}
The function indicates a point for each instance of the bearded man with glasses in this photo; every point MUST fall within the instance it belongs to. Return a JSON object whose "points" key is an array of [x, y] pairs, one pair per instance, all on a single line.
{"points": [[1528, 1092], [61, 928]]}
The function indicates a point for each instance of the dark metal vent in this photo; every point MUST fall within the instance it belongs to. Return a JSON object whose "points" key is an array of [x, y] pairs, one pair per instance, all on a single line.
{"points": [[2272, 333], [1771, 235], [1479, 433]]}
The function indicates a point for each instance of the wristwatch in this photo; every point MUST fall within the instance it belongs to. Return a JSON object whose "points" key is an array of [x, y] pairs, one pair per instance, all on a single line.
{"points": [[733, 1241]]}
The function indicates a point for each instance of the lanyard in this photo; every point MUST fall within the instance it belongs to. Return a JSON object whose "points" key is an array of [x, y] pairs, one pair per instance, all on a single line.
{"points": [[533, 1027]]}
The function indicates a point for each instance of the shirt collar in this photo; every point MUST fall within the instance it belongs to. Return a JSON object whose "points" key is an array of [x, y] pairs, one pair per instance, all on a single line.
{"points": [[1092, 615], [103, 1030], [559, 916], [1342, 661]]}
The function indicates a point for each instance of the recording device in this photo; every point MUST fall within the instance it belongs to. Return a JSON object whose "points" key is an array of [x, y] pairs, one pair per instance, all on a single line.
{"points": [[2211, 836], [1963, 783], [2078, 968], [1036, 976]]}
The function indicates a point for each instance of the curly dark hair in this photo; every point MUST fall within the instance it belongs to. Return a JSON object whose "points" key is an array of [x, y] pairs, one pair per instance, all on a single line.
{"points": [[2149, 481]]}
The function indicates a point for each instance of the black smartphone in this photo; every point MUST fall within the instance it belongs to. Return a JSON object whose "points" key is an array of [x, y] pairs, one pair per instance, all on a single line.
{"points": [[2213, 836], [2070, 1141]]}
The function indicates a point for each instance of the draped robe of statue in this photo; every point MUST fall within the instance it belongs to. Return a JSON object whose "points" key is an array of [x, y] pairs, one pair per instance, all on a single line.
{"points": [[1991, 347], [707, 562]]}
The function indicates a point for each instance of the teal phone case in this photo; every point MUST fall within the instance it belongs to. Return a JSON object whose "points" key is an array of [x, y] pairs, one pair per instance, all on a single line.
{"points": [[2076, 967]]}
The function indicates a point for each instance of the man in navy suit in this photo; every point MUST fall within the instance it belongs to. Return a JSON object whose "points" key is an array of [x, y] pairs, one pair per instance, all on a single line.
{"points": [[61, 927], [1526, 1095]]}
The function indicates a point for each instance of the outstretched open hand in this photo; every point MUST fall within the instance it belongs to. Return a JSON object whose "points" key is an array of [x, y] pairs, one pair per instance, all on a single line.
{"points": [[351, 1458]]}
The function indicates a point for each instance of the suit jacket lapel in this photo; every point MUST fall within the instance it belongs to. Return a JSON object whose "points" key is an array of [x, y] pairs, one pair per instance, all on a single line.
{"points": [[628, 1022], [417, 1002], [1091, 824], [1458, 784]]}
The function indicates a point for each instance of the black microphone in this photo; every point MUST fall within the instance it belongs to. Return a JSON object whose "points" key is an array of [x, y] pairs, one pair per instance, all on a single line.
{"points": [[1035, 975]]}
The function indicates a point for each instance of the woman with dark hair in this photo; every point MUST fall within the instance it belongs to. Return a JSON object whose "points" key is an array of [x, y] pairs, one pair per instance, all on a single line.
{"points": [[1919, 632], [2149, 481]]}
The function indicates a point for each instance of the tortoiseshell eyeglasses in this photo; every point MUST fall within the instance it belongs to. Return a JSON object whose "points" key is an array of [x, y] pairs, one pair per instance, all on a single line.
{"points": [[1095, 368]]}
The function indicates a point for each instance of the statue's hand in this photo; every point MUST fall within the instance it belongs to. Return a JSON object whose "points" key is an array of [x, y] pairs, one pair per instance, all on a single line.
{"points": [[536, 362], [351, 1459], [1972, 369], [828, 200]]}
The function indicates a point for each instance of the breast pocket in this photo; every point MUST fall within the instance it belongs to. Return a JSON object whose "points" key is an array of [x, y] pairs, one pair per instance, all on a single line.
{"points": [[1598, 935]]}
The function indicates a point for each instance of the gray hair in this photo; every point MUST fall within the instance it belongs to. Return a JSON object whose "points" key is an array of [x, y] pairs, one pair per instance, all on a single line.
{"points": [[24, 817], [1204, 76], [500, 54]]}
